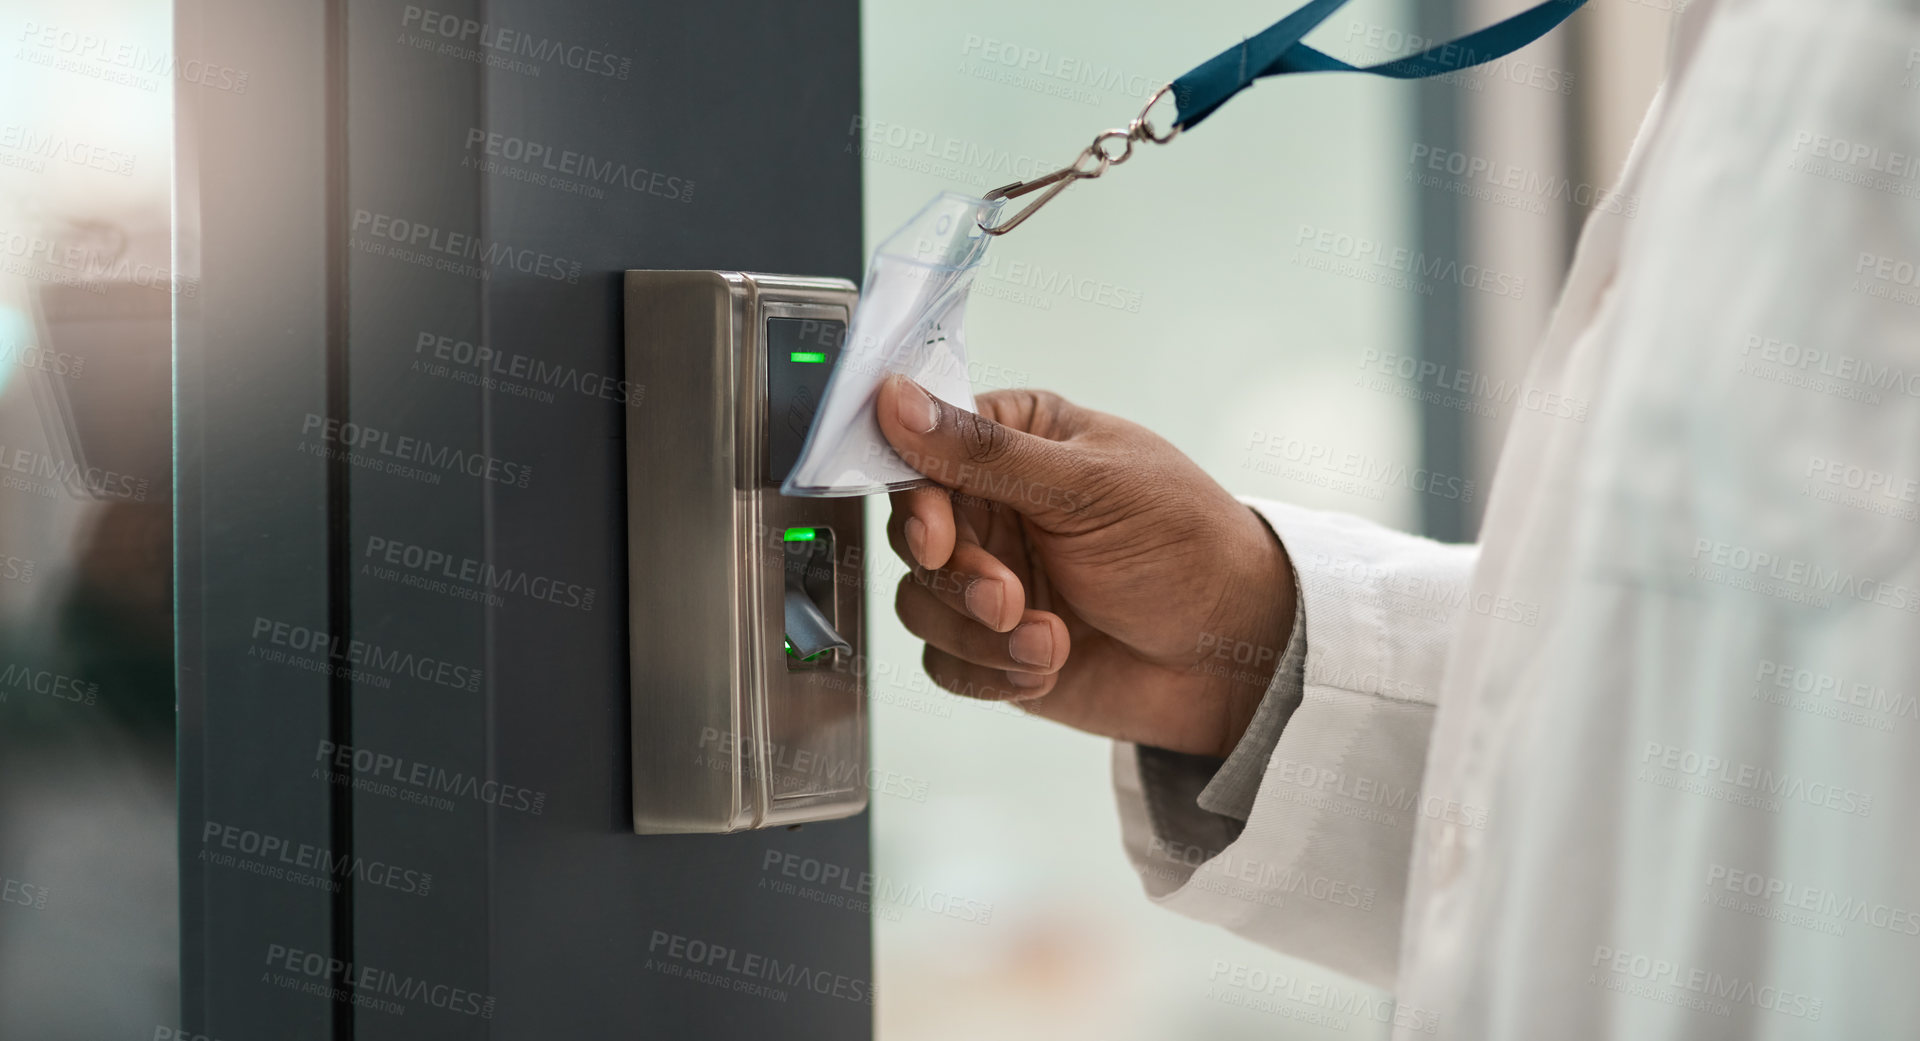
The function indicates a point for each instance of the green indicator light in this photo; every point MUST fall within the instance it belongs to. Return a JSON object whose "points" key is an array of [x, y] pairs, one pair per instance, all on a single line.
{"points": [[815, 357], [791, 653], [799, 535]]}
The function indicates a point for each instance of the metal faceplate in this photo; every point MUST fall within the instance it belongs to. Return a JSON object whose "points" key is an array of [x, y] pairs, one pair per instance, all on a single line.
{"points": [[730, 730]]}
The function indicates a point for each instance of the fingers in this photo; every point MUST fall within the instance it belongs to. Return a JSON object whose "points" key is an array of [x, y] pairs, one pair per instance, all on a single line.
{"points": [[978, 585], [944, 549], [1018, 455], [1035, 646], [978, 681], [922, 528]]}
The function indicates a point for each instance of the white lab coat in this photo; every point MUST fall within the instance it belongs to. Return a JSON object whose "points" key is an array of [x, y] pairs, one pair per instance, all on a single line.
{"points": [[1559, 773]]}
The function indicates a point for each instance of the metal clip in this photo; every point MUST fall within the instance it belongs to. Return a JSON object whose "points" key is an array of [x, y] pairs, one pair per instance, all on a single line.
{"points": [[1099, 153]]}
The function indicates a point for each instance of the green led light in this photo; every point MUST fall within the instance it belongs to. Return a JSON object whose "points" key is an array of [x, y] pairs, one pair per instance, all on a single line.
{"points": [[791, 653], [807, 356], [799, 535]]}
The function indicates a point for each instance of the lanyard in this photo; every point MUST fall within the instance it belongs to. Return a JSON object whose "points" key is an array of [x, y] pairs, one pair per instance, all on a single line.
{"points": [[1277, 51]]}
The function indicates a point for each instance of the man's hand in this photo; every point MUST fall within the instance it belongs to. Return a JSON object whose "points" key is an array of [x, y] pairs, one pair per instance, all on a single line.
{"points": [[1080, 565]]}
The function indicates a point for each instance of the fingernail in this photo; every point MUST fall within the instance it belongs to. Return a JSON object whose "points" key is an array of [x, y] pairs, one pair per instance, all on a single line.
{"points": [[915, 408], [984, 599], [1032, 644], [917, 540], [1027, 680]]}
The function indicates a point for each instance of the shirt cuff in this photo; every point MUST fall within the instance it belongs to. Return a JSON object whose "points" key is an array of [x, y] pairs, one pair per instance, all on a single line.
{"points": [[1233, 787], [1203, 801]]}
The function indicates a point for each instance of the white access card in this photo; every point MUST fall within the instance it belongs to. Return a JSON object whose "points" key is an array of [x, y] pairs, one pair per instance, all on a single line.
{"points": [[908, 320]]}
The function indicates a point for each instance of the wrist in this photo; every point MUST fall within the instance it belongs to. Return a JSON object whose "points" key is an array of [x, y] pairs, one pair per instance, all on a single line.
{"points": [[1258, 612]]}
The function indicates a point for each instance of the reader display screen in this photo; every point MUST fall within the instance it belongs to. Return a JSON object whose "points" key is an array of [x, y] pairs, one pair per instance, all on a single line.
{"points": [[800, 356]]}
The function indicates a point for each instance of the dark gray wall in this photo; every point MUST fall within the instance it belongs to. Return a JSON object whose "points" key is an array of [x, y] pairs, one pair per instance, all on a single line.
{"points": [[357, 122]]}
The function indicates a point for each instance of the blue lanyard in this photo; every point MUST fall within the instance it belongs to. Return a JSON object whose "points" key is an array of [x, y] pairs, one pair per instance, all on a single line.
{"points": [[1277, 51]]}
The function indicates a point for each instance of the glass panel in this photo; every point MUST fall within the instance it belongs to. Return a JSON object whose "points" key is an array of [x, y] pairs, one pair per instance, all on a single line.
{"points": [[89, 929]]}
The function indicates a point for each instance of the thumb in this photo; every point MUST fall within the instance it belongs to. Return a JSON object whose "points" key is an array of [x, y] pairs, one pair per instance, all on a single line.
{"points": [[980, 456]]}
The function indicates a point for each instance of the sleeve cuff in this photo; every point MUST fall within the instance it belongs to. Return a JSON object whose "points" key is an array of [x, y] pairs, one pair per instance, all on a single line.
{"points": [[1202, 802], [1380, 605], [1234, 785]]}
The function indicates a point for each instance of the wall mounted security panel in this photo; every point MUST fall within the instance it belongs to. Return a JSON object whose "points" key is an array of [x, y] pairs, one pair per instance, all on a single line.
{"points": [[748, 644]]}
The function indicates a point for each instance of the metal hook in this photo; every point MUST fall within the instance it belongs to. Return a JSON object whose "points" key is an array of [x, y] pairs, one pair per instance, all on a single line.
{"points": [[1055, 183], [1139, 129]]}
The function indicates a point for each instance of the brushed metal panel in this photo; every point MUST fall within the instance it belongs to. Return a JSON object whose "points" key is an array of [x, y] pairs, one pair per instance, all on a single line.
{"points": [[729, 732]]}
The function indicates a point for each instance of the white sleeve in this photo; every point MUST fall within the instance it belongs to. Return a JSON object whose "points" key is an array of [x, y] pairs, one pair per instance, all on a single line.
{"points": [[1320, 871]]}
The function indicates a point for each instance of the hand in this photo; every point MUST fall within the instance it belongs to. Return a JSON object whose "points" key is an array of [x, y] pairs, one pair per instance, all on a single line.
{"points": [[1081, 566]]}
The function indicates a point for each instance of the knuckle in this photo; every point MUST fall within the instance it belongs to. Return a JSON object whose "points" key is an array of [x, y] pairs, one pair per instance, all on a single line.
{"points": [[984, 440], [1042, 413], [1016, 401], [1046, 403]]}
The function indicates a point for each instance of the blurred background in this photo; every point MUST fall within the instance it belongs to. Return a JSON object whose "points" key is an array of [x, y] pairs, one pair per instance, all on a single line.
{"points": [[1218, 290], [87, 795], [1208, 289]]}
